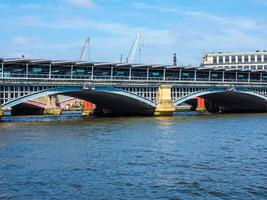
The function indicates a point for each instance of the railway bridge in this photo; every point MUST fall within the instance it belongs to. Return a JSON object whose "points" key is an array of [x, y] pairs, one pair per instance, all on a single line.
{"points": [[132, 89]]}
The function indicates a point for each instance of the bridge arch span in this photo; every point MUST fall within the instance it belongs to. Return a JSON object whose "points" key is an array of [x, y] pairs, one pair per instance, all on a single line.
{"points": [[229, 101], [110, 99]]}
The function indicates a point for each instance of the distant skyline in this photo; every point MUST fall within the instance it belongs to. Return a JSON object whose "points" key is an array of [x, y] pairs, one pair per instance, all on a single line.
{"points": [[56, 29]]}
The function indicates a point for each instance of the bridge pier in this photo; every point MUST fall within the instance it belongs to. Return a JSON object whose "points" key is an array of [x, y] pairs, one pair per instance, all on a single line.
{"points": [[201, 108], [1, 112], [88, 108], [51, 106], [165, 105]]}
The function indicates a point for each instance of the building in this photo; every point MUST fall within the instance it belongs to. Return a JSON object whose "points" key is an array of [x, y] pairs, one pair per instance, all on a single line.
{"points": [[244, 60]]}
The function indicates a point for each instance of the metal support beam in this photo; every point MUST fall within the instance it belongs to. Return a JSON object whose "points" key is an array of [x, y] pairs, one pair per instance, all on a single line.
{"points": [[71, 71], [111, 73], [261, 77], [50, 71], [92, 73], [130, 73], [2, 69], [180, 75], [195, 76], [248, 76], [236, 75], [164, 74], [223, 76], [147, 74], [27, 70]]}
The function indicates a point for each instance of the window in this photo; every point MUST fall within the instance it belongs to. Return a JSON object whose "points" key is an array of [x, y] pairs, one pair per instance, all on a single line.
{"points": [[119, 73], [246, 59], [185, 75], [239, 59], [258, 58], [260, 67], [240, 67], [80, 71], [265, 66], [37, 70], [226, 59], [265, 58], [220, 59], [253, 67], [252, 58], [214, 60], [155, 74]]}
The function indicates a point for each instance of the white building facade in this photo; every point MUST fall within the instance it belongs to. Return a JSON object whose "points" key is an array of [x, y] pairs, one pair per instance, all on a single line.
{"points": [[244, 60]]}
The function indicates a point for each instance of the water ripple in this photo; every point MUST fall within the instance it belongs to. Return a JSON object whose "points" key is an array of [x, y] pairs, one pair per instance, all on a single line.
{"points": [[183, 157]]}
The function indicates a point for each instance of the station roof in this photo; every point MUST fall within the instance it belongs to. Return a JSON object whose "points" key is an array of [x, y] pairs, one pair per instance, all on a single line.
{"points": [[15, 60], [40, 61], [121, 65]]}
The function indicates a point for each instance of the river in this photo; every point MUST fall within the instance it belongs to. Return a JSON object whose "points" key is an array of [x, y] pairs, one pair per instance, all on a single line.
{"points": [[187, 156]]}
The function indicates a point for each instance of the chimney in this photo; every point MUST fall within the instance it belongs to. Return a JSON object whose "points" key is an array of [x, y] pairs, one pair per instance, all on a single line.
{"points": [[174, 59]]}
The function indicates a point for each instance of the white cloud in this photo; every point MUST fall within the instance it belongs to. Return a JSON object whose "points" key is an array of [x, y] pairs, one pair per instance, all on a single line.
{"points": [[30, 6], [81, 3], [221, 21], [22, 40], [177, 10], [153, 36]]}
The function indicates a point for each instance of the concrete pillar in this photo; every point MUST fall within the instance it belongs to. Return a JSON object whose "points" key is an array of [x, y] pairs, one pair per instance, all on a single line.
{"points": [[51, 107], [1, 112], [165, 105]]}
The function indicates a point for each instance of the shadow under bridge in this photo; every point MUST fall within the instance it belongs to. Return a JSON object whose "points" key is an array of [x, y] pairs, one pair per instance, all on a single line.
{"points": [[108, 100], [238, 101]]}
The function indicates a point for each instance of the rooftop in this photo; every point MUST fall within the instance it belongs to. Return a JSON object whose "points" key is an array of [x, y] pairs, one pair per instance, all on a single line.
{"points": [[264, 52]]}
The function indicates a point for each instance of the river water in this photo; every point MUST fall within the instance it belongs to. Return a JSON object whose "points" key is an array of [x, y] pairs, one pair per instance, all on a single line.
{"points": [[187, 156]]}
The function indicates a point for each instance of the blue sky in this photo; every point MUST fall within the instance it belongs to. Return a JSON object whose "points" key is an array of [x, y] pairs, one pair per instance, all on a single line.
{"points": [[56, 29]]}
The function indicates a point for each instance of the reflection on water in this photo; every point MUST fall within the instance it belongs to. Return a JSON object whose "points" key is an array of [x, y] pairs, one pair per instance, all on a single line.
{"points": [[188, 156]]}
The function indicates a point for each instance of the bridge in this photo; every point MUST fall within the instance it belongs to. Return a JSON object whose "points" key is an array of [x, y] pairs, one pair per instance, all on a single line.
{"points": [[132, 89]]}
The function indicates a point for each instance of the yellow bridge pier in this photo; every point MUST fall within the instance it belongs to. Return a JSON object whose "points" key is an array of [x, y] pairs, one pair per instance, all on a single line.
{"points": [[51, 106], [165, 105], [1, 112]]}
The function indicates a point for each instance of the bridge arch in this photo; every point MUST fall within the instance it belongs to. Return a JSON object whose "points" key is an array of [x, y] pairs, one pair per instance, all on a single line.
{"points": [[108, 98], [229, 100]]}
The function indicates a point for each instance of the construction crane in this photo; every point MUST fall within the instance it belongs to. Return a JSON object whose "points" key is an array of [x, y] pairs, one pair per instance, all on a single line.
{"points": [[86, 42], [136, 46]]}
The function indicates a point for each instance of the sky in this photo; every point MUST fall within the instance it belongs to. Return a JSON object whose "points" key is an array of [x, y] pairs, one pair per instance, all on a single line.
{"points": [[56, 29]]}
